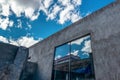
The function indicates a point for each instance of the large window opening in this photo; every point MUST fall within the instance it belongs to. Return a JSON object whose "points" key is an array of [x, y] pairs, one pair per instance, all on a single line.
{"points": [[73, 61]]}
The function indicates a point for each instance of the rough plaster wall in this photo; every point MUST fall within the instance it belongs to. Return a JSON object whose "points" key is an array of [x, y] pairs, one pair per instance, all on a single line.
{"points": [[104, 26]]}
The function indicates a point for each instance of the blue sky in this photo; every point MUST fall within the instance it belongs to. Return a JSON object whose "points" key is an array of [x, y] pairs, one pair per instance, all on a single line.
{"points": [[25, 22]]}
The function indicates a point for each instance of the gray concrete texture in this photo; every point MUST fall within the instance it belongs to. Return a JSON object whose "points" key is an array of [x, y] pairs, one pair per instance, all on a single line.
{"points": [[104, 28], [12, 61], [7, 53], [19, 64]]}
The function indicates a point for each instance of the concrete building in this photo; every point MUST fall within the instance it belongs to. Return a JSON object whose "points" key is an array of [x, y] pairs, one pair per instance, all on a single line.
{"points": [[103, 27]]}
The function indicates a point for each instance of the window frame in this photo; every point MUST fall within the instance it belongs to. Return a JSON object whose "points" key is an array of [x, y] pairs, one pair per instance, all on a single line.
{"points": [[89, 34]]}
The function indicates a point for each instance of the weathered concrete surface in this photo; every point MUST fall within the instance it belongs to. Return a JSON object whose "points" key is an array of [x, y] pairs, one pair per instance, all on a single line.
{"points": [[13, 59], [7, 53], [4, 73], [29, 72], [104, 27], [19, 64]]}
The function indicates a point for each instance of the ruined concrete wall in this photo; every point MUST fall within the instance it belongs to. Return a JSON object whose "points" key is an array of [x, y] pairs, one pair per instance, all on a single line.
{"points": [[14, 59], [19, 64], [104, 27], [7, 53]]}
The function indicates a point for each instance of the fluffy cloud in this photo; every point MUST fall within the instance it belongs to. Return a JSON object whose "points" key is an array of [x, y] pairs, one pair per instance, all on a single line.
{"points": [[61, 11], [47, 3], [75, 52], [30, 9], [4, 23], [3, 39], [77, 2], [5, 10], [55, 10], [23, 41], [21, 6], [65, 11], [69, 13], [79, 41], [58, 57], [87, 47]]}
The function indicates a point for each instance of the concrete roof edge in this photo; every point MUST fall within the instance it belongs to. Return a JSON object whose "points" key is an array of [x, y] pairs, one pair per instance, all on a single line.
{"points": [[8, 44]]}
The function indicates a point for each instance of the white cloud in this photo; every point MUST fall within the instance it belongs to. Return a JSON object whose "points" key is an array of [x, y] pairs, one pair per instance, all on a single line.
{"points": [[29, 12], [18, 7], [87, 54], [5, 22], [87, 47], [58, 57], [47, 3], [25, 6], [65, 14], [75, 52], [64, 10], [61, 11], [55, 10], [35, 16], [11, 23], [79, 41], [5, 10], [77, 2], [19, 23], [69, 12], [65, 2], [3, 39], [23, 41], [75, 17]]}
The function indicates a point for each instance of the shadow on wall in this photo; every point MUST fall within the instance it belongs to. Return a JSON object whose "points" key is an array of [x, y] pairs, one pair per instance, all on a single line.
{"points": [[30, 72]]}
